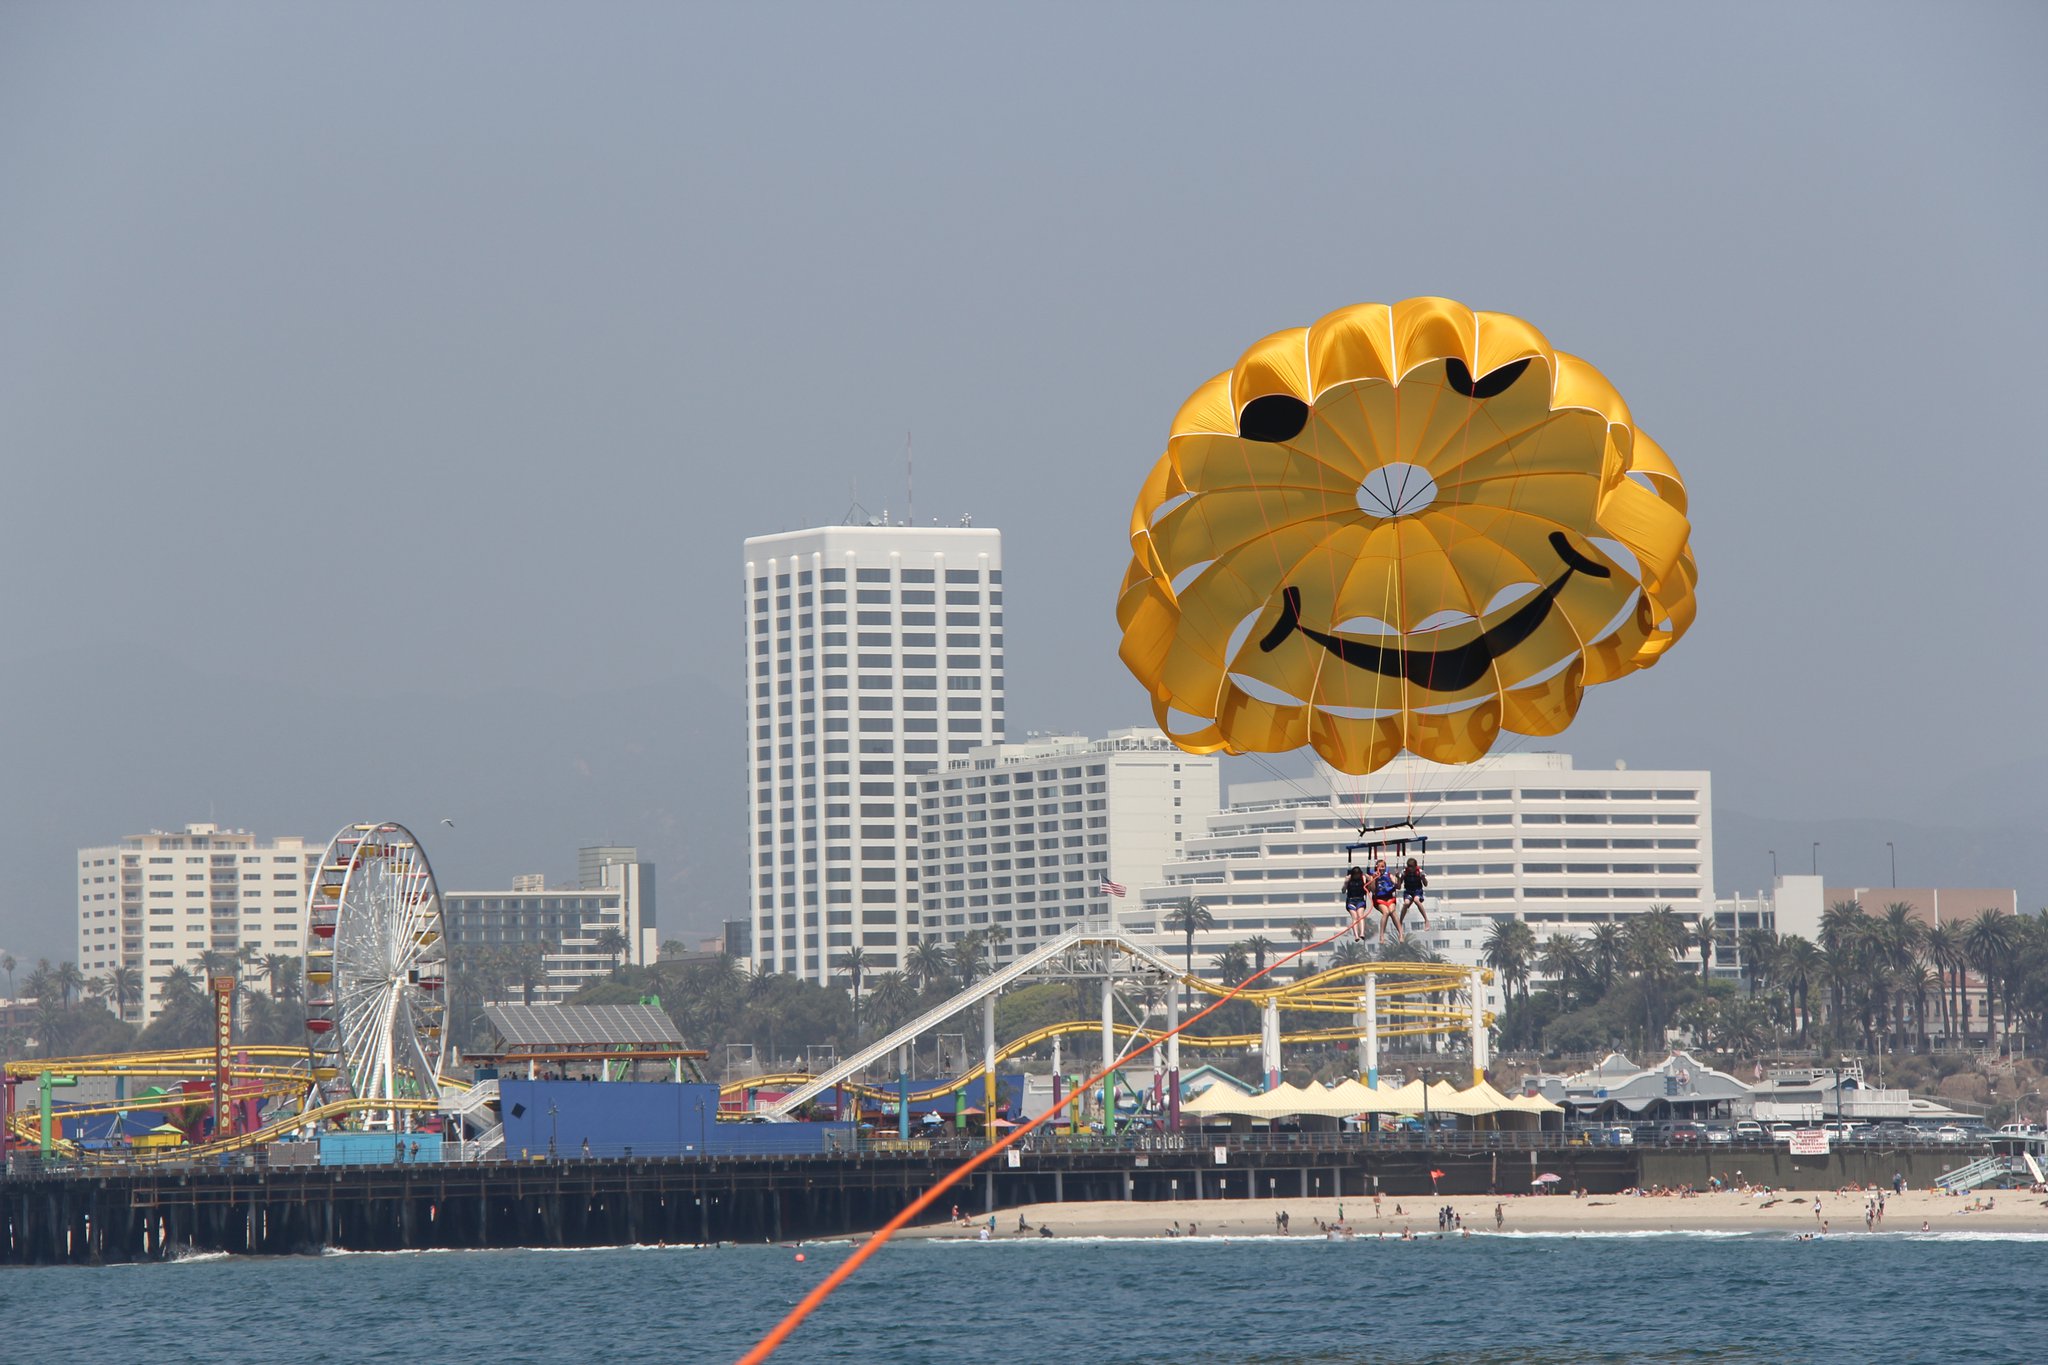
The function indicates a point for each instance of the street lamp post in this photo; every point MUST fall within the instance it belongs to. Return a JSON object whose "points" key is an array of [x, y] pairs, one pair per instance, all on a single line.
{"points": [[1893, 849], [1816, 857], [1774, 867]]}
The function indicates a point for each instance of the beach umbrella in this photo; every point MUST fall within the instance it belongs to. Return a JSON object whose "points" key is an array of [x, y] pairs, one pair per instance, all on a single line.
{"points": [[1547, 1178]]}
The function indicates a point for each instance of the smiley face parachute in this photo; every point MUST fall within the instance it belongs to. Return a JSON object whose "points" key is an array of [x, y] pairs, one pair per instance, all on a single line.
{"points": [[1405, 527]]}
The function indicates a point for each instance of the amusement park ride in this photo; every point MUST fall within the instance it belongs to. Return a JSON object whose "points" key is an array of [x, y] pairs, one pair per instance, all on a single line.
{"points": [[376, 1050]]}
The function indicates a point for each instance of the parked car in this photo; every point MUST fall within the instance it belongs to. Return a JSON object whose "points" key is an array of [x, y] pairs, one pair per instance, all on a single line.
{"points": [[1681, 1130], [1948, 1132], [1781, 1132], [2019, 1130], [1719, 1133], [1749, 1130]]}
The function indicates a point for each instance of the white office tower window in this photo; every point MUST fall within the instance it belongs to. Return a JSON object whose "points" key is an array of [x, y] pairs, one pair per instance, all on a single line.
{"points": [[1517, 836], [873, 654], [1027, 841]]}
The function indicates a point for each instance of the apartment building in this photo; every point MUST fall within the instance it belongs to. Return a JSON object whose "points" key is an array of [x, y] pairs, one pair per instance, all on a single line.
{"points": [[162, 900], [1023, 842]]}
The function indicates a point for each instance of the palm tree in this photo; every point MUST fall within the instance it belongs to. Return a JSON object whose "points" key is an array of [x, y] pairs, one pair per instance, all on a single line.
{"points": [[42, 980], [968, 958], [1944, 947], [1563, 960], [123, 987], [279, 967], [1233, 965], [613, 945], [70, 981], [1301, 933], [1607, 949], [1988, 940], [997, 937], [929, 963], [1706, 936], [1189, 915], [1654, 939], [1350, 953], [853, 962], [179, 982], [1797, 964], [8, 964], [891, 998], [1510, 946], [1259, 945], [1759, 950], [530, 968]]}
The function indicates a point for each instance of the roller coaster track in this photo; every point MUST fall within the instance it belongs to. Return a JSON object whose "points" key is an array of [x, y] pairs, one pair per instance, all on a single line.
{"points": [[1434, 1022], [1336, 991], [176, 1062]]}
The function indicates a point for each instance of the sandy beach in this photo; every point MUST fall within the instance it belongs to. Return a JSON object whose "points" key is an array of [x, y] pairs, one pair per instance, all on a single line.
{"points": [[2011, 1211]]}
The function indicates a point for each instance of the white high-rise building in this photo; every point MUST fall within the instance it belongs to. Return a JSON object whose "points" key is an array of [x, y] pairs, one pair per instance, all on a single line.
{"points": [[161, 900], [1517, 836], [874, 653], [1025, 839]]}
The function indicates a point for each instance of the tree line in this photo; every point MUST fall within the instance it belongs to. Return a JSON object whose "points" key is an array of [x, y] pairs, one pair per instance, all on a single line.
{"points": [[1885, 981]]}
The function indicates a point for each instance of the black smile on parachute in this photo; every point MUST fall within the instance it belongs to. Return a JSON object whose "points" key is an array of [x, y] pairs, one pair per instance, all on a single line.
{"points": [[1452, 669]]}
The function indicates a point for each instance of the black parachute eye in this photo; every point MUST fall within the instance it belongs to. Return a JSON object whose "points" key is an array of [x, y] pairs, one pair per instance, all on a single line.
{"points": [[1275, 417], [1488, 386]]}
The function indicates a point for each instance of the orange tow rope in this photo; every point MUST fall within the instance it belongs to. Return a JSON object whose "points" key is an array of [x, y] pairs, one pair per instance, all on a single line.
{"points": [[767, 1345]]}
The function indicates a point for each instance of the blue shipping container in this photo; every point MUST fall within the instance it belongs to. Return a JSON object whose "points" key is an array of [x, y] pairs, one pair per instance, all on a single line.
{"points": [[608, 1119]]}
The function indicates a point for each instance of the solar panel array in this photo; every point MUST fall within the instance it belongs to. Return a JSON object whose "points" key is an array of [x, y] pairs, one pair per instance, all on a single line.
{"points": [[580, 1025]]}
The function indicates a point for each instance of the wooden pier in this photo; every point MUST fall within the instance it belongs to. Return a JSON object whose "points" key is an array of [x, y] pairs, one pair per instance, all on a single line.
{"points": [[148, 1213]]}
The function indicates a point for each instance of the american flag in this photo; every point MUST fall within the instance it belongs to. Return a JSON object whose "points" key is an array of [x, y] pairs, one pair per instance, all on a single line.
{"points": [[1110, 888]]}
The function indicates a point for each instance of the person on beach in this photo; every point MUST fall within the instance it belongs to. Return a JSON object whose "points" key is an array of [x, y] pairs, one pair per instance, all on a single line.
{"points": [[1499, 1218], [1375, 1203]]}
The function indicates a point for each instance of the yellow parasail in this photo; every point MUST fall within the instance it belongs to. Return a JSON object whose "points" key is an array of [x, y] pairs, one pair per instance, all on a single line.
{"points": [[1405, 527]]}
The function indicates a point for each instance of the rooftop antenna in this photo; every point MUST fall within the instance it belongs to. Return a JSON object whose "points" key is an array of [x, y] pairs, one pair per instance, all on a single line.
{"points": [[910, 479]]}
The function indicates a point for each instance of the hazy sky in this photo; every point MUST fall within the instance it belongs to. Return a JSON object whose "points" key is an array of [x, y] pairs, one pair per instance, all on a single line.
{"points": [[385, 391]]}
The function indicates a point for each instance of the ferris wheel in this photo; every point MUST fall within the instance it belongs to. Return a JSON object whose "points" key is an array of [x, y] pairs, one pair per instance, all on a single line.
{"points": [[376, 971]]}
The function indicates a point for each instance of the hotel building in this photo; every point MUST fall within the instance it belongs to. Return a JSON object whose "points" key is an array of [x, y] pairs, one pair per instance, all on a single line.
{"points": [[873, 655], [154, 902], [1027, 841], [1520, 836]]}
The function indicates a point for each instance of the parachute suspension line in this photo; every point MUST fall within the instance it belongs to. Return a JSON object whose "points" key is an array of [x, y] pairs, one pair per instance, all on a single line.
{"points": [[1140, 1045]]}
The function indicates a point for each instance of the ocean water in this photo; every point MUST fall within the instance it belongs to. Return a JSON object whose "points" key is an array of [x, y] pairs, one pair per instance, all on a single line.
{"points": [[1525, 1299]]}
